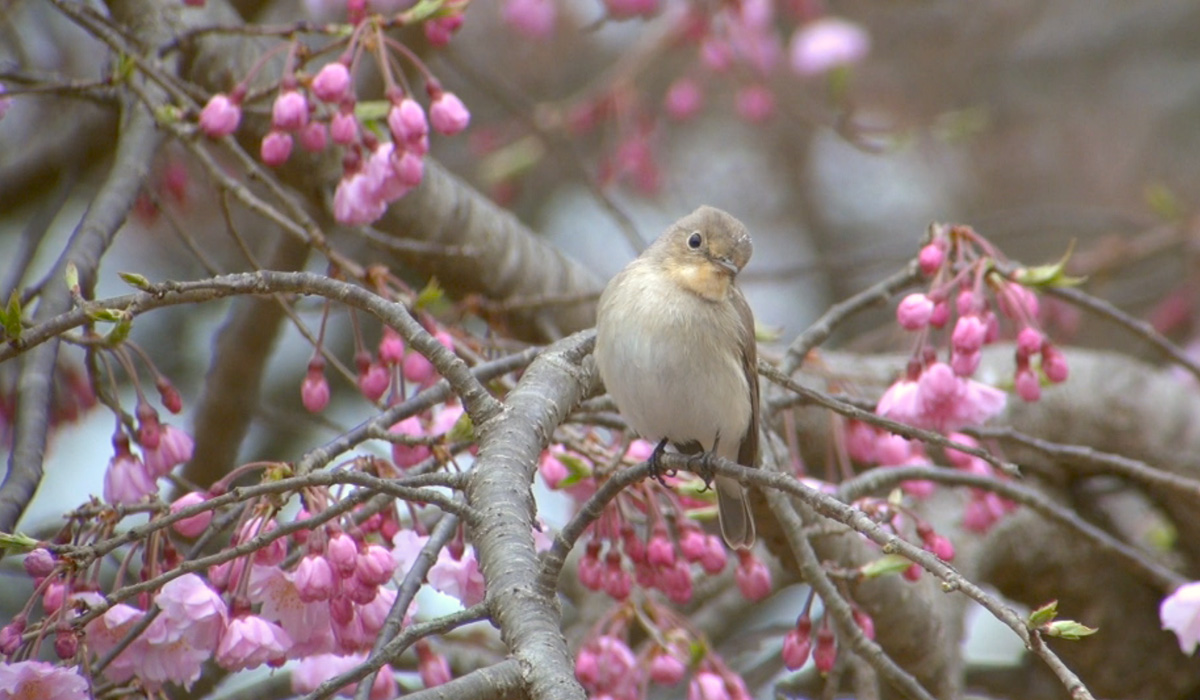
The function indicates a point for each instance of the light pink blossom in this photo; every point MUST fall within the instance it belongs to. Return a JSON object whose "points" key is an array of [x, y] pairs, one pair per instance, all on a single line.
{"points": [[827, 43], [1180, 613], [533, 18], [448, 114], [459, 578], [290, 111], [220, 116], [276, 148], [127, 481], [37, 680], [174, 447], [332, 82], [249, 642]]}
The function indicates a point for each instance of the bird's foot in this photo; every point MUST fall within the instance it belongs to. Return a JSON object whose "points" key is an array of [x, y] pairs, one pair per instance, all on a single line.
{"points": [[657, 471], [699, 465]]}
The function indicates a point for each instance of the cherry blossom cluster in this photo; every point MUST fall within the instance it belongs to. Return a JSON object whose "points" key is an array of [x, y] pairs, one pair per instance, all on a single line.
{"points": [[318, 595], [607, 667], [966, 299], [321, 108], [744, 45], [648, 535]]}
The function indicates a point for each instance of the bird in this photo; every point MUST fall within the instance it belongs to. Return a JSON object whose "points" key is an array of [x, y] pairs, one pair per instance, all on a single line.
{"points": [[675, 348]]}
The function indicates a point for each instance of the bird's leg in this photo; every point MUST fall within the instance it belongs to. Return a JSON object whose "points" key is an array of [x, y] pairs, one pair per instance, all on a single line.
{"points": [[655, 462], [699, 465]]}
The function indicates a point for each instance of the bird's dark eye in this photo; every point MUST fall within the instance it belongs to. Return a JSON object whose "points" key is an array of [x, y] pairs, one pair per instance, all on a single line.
{"points": [[695, 240]]}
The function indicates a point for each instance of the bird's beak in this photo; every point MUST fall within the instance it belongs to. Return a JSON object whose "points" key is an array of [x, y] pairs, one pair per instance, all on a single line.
{"points": [[729, 265]]}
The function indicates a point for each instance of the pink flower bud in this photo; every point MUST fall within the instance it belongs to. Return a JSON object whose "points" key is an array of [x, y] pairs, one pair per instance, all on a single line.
{"points": [[691, 544], [1029, 341], [314, 579], [39, 563], [587, 667], [391, 347], [865, 623], [374, 382], [342, 552], [290, 111], [10, 636], [406, 456], [314, 390], [432, 667], [683, 100], [707, 685], [964, 364], [941, 547], [552, 469], [1054, 364], [969, 334], [343, 128], [409, 168], [940, 315], [533, 18], [591, 571], [198, 523], [406, 120], [660, 551], [52, 597], [755, 103], [66, 644], [617, 583], [220, 117], [912, 573], [331, 82], [715, 558], [914, 312], [797, 648], [752, 576], [825, 653], [314, 137], [276, 148], [448, 114], [931, 258], [1028, 386], [418, 370], [439, 31], [666, 669], [375, 566]]}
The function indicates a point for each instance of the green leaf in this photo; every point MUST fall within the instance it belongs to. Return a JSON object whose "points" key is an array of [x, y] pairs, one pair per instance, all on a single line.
{"points": [[1162, 201], [135, 280], [1043, 615], [1052, 275], [431, 294], [1069, 629], [12, 316], [577, 469], [106, 315], [17, 542], [372, 110], [886, 565], [119, 332], [421, 11], [462, 431]]}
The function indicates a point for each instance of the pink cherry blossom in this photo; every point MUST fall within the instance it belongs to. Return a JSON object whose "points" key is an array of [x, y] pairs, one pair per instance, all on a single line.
{"points": [[391, 347], [1028, 386], [40, 562], [375, 566], [312, 671], [448, 114], [666, 669], [707, 685], [106, 631], [220, 117], [1054, 364], [249, 642], [308, 624], [948, 402], [433, 668], [797, 646], [314, 390], [332, 82], [1180, 613], [174, 447], [342, 552], [192, 611], [440, 30], [752, 576], [827, 43], [459, 578], [127, 481], [533, 18], [37, 680], [356, 202], [931, 258]]}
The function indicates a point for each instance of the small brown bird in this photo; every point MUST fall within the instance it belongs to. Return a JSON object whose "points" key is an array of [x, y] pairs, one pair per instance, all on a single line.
{"points": [[675, 347]]}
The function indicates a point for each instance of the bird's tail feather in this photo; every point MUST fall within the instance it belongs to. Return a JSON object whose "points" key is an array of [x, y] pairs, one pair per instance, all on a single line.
{"points": [[737, 523]]}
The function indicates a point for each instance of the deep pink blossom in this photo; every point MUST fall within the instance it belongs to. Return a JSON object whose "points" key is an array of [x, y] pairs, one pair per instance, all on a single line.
{"points": [[914, 312], [37, 680], [1054, 364], [825, 653], [439, 30], [406, 456], [314, 390], [931, 258], [433, 668], [1027, 384], [342, 552], [391, 347], [314, 670], [407, 122], [221, 116], [969, 334], [752, 576], [198, 523], [332, 82], [314, 137]]}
